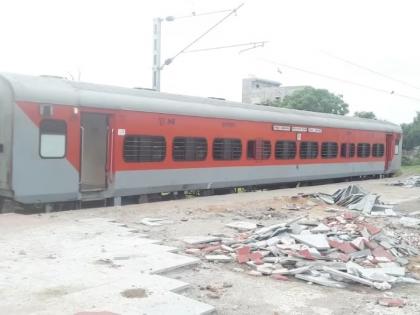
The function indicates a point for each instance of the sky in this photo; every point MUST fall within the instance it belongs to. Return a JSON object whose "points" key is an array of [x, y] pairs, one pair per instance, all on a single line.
{"points": [[110, 42]]}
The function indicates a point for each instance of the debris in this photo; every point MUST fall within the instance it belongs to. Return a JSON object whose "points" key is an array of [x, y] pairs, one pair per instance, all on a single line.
{"points": [[321, 281], [279, 277], [341, 247], [410, 222], [391, 302], [134, 293], [219, 258], [193, 240], [242, 226], [410, 182], [355, 198], [155, 221], [255, 273], [313, 240]]}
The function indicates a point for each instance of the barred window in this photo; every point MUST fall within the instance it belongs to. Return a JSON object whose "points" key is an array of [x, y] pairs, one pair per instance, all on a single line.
{"points": [[308, 150], [329, 150], [144, 148], [352, 150], [343, 150], [285, 150], [363, 150], [189, 149], [227, 149], [378, 150], [258, 149]]}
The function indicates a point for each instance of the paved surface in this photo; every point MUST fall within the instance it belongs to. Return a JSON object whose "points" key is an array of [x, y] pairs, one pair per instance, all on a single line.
{"points": [[55, 267]]}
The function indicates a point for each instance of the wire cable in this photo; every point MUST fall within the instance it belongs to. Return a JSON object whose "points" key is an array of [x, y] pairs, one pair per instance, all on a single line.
{"points": [[371, 70], [341, 80], [170, 60]]}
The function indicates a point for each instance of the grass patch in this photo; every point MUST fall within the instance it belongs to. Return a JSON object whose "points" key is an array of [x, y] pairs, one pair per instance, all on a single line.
{"points": [[411, 169]]}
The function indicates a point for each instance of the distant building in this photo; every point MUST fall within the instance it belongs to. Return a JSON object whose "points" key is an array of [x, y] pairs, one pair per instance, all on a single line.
{"points": [[262, 91]]}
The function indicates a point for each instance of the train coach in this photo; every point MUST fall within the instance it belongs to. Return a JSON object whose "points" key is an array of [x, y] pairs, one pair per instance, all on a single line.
{"points": [[67, 141]]}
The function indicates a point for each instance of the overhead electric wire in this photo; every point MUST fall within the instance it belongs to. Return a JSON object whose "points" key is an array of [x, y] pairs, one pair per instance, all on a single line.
{"points": [[256, 44], [341, 80], [371, 70], [168, 61]]}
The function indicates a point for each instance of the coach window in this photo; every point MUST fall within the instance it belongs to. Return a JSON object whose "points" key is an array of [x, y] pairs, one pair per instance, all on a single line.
{"points": [[225, 149], [329, 150], [308, 150], [189, 149], [52, 140], [363, 150], [144, 148], [258, 149], [397, 147], [343, 150], [352, 150], [285, 150], [378, 150]]}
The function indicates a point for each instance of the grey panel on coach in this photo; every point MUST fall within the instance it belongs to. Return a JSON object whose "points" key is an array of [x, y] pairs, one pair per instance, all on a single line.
{"points": [[36, 179], [61, 91], [6, 118], [141, 182]]}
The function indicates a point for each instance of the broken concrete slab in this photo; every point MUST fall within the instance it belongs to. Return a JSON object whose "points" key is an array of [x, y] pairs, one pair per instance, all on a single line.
{"points": [[321, 281], [242, 226], [195, 240], [348, 276], [219, 258], [318, 241], [410, 222], [155, 221], [321, 228]]}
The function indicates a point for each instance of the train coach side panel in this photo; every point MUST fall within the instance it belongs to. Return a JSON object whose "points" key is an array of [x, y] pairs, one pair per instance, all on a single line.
{"points": [[6, 113], [36, 179]]}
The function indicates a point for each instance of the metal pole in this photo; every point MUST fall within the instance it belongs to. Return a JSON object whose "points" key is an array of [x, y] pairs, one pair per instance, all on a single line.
{"points": [[157, 23]]}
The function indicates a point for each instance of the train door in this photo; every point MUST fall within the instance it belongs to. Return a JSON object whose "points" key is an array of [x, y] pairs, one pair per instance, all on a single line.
{"points": [[93, 151], [389, 150]]}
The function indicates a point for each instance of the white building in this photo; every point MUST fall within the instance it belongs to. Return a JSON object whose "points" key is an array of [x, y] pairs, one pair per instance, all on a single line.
{"points": [[262, 91]]}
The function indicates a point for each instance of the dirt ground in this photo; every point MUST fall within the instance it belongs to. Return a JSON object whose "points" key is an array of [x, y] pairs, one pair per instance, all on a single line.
{"points": [[240, 293]]}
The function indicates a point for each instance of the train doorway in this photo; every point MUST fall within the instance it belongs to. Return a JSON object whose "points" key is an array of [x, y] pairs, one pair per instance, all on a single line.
{"points": [[93, 151], [389, 150]]}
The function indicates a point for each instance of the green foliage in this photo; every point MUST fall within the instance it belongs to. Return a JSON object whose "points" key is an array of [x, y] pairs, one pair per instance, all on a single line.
{"points": [[368, 115], [411, 133], [314, 100]]}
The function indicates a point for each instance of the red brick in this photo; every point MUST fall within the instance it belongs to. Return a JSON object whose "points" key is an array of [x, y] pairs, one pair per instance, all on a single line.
{"points": [[243, 254], [279, 277], [372, 229], [344, 257], [256, 257], [306, 254], [381, 252], [210, 249], [345, 247], [391, 302]]}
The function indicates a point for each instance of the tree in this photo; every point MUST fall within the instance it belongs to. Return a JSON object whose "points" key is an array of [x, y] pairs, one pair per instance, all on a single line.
{"points": [[314, 100], [369, 115], [411, 133]]}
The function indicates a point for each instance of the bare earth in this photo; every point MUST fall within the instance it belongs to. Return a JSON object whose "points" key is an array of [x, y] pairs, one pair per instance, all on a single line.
{"points": [[237, 292]]}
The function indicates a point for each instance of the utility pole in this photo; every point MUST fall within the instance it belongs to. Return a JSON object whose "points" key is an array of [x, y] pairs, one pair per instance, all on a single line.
{"points": [[157, 23], [157, 35]]}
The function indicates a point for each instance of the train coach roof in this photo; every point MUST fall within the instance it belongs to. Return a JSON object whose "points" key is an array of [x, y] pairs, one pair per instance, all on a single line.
{"points": [[61, 91]]}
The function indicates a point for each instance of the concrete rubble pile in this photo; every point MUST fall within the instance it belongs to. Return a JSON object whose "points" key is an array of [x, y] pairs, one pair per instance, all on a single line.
{"points": [[334, 252], [410, 182], [354, 197]]}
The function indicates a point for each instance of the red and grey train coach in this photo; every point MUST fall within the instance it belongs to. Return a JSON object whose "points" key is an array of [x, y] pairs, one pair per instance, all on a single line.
{"points": [[62, 141]]}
